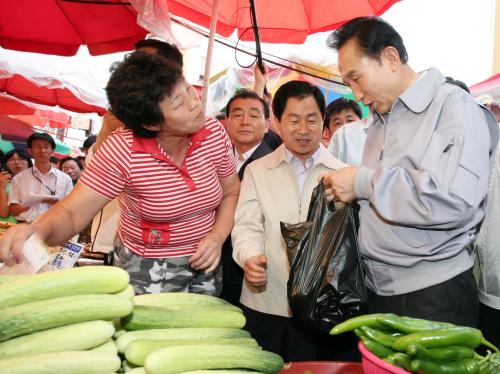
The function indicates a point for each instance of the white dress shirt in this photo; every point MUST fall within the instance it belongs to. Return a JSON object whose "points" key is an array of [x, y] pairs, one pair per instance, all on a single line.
{"points": [[241, 159], [301, 169], [347, 143], [33, 181]]}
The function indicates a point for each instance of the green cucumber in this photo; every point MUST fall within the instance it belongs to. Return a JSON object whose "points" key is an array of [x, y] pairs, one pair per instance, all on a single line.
{"points": [[128, 292], [147, 317], [128, 366], [42, 315], [174, 360], [71, 362], [68, 282], [138, 350], [170, 299], [12, 277], [109, 347], [75, 337], [188, 333], [137, 371]]}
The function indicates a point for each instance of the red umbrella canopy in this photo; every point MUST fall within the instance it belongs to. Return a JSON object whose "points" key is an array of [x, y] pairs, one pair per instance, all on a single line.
{"points": [[11, 106], [279, 21], [59, 27], [15, 130], [23, 89], [42, 118]]}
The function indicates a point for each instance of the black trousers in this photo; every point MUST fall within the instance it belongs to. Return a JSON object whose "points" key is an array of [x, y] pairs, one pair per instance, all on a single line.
{"points": [[454, 301], [232, 275], [489, 324], [281, 335]]}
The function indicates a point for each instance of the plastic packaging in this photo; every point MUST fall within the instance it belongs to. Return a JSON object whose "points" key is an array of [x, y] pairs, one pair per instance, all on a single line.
{"points": [[326, 284]]}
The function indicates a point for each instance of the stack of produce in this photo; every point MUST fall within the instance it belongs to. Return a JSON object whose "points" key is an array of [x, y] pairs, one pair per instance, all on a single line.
{"points": [[183, 332], [62, 322], [65, 322], [423, 346]]}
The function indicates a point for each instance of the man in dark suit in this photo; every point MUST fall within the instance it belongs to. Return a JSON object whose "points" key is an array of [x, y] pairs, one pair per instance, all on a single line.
{"points": [[247, 125]]}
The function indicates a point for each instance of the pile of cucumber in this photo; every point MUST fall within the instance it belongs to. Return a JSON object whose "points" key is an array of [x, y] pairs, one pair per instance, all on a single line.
{"points": [[61, 322], [183, 332], [423, 346], [88, 321]]}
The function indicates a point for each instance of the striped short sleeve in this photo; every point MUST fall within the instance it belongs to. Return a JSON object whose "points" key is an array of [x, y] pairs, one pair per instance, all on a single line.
{"points": [[108, 172], [223, 152]]}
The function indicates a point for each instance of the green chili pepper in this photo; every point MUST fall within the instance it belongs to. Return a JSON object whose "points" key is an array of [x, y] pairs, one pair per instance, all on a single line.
{"points": [[378, 336], [410, 325], [467, 366], [395, 334], [356, 322], [376, 348], [489, 367], [359, 333], [400, 359], [495, 357], [389, 361], [443, 354], [490, 364], [465, 336]]}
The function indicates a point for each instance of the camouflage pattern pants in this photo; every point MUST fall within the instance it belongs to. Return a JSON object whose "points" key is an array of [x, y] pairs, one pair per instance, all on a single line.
{"points": [[156, 275]]}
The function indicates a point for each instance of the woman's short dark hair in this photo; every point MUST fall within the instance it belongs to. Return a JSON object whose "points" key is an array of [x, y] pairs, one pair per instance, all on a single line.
{"points": [[23, 154], [337, 106], [300, 90], [137, 86], [373, 34], [66, 159], [166, 50]]}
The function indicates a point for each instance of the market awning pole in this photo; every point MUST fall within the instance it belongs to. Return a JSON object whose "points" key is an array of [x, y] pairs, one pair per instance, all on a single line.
{"points": [[208, 62], [258, 51]]}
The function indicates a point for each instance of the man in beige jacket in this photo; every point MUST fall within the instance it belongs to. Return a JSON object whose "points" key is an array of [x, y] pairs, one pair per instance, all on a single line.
{"points": [[277, 188]]}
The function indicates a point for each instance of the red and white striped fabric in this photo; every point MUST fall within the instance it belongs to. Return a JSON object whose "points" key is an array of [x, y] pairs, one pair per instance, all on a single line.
{"points": [[164, 210]]}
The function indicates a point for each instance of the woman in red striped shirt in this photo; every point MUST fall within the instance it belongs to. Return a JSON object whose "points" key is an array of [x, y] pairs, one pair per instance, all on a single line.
{"points": [[173, 173]]}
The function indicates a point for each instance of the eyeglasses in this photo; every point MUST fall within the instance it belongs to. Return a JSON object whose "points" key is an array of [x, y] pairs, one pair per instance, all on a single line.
{"points": [[12, 160]]}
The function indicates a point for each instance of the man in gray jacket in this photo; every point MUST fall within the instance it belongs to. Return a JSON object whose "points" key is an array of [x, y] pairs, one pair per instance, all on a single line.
{"points": [[422, 180]]}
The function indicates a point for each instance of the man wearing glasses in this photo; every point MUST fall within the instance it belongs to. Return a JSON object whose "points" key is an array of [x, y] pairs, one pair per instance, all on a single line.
{"points": [[36, 189]]}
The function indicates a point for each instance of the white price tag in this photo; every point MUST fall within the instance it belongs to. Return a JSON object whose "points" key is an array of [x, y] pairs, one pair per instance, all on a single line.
{"points": [[35, 252], [35, 257]]}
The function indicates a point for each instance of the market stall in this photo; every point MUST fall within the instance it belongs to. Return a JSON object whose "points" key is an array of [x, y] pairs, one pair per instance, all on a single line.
{"points": [[88, 320]]}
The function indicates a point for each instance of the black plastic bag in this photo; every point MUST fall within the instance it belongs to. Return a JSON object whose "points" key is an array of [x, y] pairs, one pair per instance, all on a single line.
{"points": [[326, 284]]}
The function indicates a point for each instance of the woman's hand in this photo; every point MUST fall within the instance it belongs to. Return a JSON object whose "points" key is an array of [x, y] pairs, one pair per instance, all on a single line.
{"points": [[12, 241], [207, 256]]}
